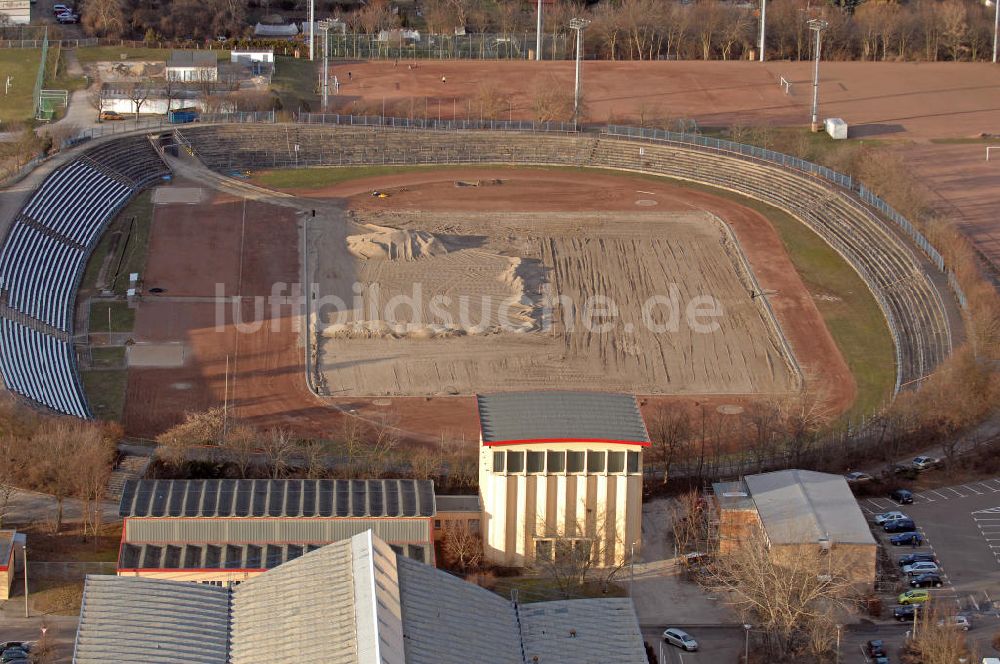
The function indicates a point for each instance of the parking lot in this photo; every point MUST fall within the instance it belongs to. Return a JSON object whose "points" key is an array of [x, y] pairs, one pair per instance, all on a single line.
{"points": [[717, 644], [961, 527]]}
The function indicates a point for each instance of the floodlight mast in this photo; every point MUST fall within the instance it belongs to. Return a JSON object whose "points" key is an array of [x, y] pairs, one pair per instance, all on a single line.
{"points": [[538, 33], [996, 27], [817, 25], [763, 26], [312, 23], [578, 24]]}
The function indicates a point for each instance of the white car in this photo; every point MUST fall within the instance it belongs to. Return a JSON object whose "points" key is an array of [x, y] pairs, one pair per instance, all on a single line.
{"points": [[680, 638], [885, 517], [924, 462], [857, 477], [922, 567], [958, 622]]}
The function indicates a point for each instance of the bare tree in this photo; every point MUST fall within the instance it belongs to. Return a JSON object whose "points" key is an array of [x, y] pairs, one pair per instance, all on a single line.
{"points": [[462, 549], [103, 18], [277, 446], [241, 445], [12, 451], [92, 460], [98, 99], [198, 428], [137, 92], [935, 638], [793, 594], [669, 433]]}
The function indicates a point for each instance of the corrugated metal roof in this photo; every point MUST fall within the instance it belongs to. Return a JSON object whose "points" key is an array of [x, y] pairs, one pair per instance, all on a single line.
{"points": [[458, 504], [277, 498], [192, 59], [798, 506], [582, 416], [582, 631], [149, 621], [449, 621], [214, 555], [732, 496]]}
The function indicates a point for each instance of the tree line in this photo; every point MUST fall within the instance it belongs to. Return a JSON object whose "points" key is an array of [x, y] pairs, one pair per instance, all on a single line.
{"points": [[883, 30]]}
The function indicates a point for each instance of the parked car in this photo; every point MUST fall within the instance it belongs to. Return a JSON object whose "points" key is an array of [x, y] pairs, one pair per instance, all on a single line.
{"points": [[899, 526], [60, 9], [880, 519], [906, 538], [911, 558], [875, 648], [14, 654], [923, 567], [111, 115], [904, 613], [926, 580], [902, 496], [858, 478], [680, 638], [914, 597], [959, 622], [68, 18], [925, 462]]}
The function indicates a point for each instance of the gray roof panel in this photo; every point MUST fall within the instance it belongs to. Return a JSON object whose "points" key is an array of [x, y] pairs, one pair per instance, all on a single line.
{"points": [[587, 631], [277, 498], [560, 416], [797, 506]]}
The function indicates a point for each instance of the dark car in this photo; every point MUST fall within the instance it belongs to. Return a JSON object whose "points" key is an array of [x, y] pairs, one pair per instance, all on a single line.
{"points": [[899, 526], [929, 580], [911, 558], [902, 496], [904, 613], [14, 654], [900, 539], [875, 648]]}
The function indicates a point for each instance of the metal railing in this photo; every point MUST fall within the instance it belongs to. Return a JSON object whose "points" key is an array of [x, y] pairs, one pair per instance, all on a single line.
{"points": [[430, 123], [473, 46]]}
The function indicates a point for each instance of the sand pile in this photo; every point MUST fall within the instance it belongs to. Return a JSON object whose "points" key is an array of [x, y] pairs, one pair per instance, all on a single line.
{"points": [[393, 244]]}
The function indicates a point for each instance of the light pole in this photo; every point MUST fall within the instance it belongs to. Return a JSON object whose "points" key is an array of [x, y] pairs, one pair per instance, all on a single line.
{"points": [[578, 24], [24, 556], [538, 33], [996, 27], [312, 23], [763, 26], [746, 642], [817, 25], [839, 627], [324, 27]]}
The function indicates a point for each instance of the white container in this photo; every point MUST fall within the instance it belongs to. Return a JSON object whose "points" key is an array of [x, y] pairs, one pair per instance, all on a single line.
{"points": [[836, 127]]}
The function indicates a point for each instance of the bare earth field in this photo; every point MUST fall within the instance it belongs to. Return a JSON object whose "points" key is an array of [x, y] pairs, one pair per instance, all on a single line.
{"points": [[266, 363], [609, 330], [908, 103]]}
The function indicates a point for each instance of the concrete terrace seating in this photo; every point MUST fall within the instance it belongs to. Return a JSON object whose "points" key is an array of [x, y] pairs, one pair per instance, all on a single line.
{"points": [[40, 367], [910, 301], [75, 200], [133, 158], [38, 273], [41, 260]]}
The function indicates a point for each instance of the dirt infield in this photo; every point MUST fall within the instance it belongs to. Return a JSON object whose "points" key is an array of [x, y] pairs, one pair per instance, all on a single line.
{"points": [[266, 365], [894, 100]]}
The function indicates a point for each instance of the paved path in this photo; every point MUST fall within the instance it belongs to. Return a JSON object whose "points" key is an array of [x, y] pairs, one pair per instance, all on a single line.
{"points": [[29, 506]]}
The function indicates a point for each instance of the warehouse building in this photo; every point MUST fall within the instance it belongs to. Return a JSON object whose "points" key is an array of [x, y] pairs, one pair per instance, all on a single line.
{"points": [[558, 471], [223, 532], [354, 601], [795, 509]]}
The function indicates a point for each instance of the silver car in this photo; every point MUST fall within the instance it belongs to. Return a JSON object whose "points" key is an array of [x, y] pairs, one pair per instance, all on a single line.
{"points": [[922, 567], [680, 638], [882, 518]]}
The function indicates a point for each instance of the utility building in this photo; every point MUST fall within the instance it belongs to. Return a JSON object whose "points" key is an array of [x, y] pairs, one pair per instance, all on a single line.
{"points": [[224, 531], [558, 470]]}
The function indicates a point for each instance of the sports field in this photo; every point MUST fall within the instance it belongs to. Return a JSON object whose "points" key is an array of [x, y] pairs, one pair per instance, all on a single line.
{"points": [[505, 232]]}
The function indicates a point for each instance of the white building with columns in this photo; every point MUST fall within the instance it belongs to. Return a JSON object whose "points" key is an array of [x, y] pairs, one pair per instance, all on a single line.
{"points": [[558, 470]]}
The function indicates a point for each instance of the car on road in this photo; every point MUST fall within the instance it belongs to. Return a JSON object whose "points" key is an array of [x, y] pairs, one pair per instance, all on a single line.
{"points": [[884, 517], [913, 597], [906, 538], [60, 9], [911, 558], [68, 18], [958, 622], [902, 496], [904, 613], [111, 115], [925, 462], [923, 567], [875, 648], [858, 477], [680, 638], [926, 580], [899, 526]]}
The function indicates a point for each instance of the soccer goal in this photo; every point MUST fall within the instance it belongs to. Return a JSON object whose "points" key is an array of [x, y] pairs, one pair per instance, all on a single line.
{"points": [[991, 147]]}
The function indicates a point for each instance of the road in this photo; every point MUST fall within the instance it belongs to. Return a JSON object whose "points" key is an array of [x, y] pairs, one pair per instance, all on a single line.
{"points": [[717, 644]]}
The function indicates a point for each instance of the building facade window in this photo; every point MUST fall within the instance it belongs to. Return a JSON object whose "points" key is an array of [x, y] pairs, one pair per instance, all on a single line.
{"points": [[498, 458], [595, 462], [536, 462], [575, 462], [473, 525], [616, 462], [543, 549], [515, 462], [557, 462], [437, 524], [633, 462]]}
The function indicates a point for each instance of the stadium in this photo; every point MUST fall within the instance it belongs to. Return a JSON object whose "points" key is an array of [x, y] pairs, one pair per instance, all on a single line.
{"points": [[515, 211]]}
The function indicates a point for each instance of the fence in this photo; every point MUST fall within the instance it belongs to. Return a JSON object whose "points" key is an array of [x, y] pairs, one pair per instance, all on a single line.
{"points": [[430, 123], [482, 46], [40, 78], [69, 569]]}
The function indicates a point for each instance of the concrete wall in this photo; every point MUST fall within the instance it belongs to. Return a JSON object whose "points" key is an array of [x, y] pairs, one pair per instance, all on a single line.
{"points": [[473, 521], [18, 12], [521, 507], [192, 74]]}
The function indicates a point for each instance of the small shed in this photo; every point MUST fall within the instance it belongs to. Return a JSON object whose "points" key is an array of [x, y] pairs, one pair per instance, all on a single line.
{"points": [[248, 56], [7, 540]]}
